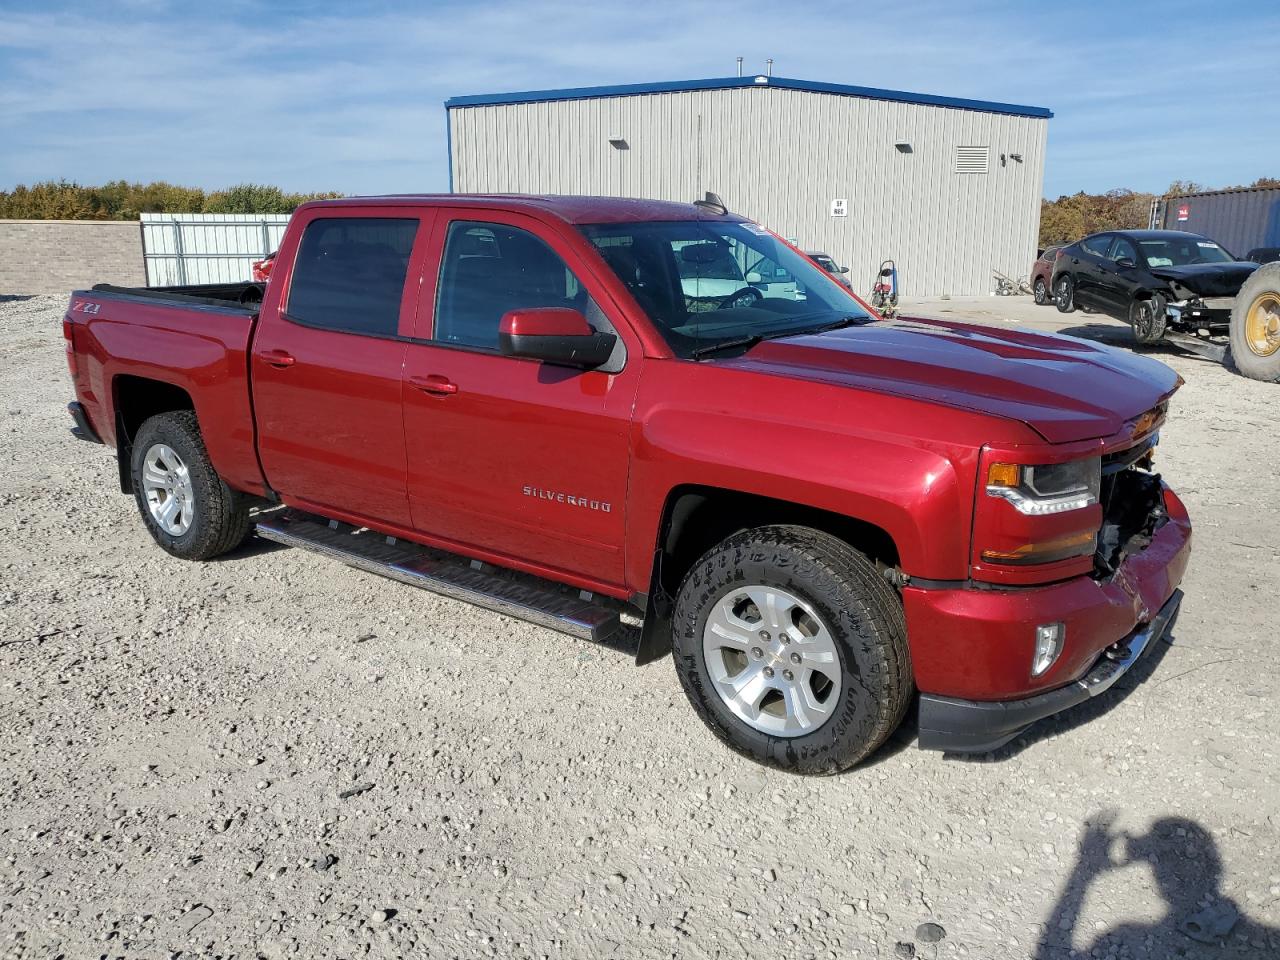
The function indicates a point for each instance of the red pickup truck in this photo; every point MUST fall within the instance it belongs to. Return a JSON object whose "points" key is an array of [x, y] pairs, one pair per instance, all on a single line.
{"points": [[536, 404]]}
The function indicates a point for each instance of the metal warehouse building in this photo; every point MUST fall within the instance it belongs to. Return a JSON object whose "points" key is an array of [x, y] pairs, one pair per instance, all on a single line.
{"points": [[948, 188]]}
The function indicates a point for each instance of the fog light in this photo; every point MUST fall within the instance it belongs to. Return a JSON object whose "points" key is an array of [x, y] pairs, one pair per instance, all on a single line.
{"points": [[1049, 637]]}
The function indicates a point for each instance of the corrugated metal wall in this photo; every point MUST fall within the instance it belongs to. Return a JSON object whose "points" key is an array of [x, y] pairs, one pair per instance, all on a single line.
{"points": [[1240, 220], [183, 248], [780, 157]]}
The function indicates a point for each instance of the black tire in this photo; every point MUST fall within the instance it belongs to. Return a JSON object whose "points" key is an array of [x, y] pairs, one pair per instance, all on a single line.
{"points": [[1064, 293], [863, 615], [1041, 291], [220, 516], [1259, 297], [1148, 319]]}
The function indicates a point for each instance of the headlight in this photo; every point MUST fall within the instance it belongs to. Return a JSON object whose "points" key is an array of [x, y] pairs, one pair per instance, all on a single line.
{"points": [[1041, 490]]}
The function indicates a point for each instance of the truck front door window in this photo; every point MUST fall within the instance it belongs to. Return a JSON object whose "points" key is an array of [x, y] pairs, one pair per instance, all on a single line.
{"points": [[489, 269], [349, 274]]}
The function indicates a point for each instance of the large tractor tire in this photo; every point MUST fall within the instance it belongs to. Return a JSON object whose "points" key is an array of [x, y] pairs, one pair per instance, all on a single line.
{"points": [[1255, 325]]}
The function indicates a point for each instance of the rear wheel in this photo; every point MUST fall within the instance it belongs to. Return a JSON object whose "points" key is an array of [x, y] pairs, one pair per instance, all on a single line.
{"points": [[185, 505], [1041, 290], [792, 649], [1064, 294], [1148, 319], [1255, 325]]}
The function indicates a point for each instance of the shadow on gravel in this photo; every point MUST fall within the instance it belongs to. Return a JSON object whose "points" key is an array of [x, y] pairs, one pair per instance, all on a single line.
{"points": [[1087, 712], [626, 640], [1114, 336], [252, 547], [1187, 869], [15, 297]]}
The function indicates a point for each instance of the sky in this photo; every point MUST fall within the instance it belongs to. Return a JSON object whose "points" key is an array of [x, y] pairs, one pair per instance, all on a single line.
{"points": [[348, 96]]}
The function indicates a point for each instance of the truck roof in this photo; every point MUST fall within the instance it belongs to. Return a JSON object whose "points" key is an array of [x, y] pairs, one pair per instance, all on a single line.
{"points": [[571, 209]]}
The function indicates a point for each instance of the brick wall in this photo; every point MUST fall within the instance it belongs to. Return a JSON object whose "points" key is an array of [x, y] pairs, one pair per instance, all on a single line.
{"points": [[57, 256]]}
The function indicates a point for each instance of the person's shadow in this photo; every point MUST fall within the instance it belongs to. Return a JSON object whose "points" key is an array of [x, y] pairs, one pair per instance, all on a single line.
{"points": [[1199, 922]]}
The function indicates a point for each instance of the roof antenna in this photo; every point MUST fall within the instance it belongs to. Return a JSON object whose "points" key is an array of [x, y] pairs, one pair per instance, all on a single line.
{"points": [[713, 203], [768, 67], [739, 66]]}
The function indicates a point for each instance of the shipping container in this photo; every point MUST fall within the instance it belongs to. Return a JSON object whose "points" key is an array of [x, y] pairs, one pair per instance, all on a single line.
{"points": [[1240, 220]]}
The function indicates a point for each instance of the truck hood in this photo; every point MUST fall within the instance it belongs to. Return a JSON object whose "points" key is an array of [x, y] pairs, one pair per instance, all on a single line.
{"points": [[1063, 388], [1208, 279]]}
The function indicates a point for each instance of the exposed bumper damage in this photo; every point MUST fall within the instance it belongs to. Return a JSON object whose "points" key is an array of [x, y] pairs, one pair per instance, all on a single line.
{"points": [[968, 726], [977, 691], [1197, 313]]}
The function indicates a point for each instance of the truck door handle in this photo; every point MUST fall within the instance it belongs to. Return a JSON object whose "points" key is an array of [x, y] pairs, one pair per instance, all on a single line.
{"points": [[278, 358], [436, 384]]}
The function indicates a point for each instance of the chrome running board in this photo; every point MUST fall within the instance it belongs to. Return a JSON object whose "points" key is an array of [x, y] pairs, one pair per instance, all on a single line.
{"points": [[519, 595]]}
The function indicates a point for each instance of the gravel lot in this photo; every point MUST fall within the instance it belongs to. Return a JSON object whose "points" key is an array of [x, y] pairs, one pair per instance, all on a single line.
{"points": [[275, 755]]}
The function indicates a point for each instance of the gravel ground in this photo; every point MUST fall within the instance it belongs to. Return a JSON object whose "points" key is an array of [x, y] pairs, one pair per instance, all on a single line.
{"points": [[275, 755]]}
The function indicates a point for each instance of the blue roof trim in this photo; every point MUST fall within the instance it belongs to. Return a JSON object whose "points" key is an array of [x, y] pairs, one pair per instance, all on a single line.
{"points": [[728, 83]]}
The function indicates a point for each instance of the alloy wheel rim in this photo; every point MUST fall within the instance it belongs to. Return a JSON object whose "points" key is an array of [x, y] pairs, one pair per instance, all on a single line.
{"points": [[772, 660], [1143, 320], [1262, 325], [1064, 291], [1041, 293], [166, 484]]}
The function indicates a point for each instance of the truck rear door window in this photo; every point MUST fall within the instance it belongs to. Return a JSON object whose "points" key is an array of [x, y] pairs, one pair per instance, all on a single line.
{"points": [[349, 274]]}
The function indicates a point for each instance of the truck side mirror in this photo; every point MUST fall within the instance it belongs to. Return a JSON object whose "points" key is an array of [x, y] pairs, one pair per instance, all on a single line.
{"points": [[554, 335], [843, 270]]}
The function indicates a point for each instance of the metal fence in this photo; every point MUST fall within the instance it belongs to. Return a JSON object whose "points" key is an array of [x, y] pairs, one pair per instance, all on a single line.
{"points": [[185, 248]]}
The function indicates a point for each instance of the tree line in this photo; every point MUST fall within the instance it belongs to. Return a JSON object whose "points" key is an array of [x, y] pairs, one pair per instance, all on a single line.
{"points": [[1079, 214], [121, 200], [1063, 220]]}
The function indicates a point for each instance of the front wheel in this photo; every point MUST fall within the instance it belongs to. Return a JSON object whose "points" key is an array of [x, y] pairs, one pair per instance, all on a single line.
{"points": [[188, 509], [1041, 291], [793, 649], [1148, 319], [1064, 294]]}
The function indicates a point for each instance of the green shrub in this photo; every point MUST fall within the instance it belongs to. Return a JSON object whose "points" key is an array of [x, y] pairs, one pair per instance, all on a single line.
{"points": [[121, 200]]}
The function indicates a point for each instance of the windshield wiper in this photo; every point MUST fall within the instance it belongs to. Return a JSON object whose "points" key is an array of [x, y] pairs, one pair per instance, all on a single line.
{"points": [[697, 353], [853, 319]]}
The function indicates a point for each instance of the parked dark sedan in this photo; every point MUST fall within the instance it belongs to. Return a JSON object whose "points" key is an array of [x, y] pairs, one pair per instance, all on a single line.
{"points": [[838, 273], [1153, 280]]}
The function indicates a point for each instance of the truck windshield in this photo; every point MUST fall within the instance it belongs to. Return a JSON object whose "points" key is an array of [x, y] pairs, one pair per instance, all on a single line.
{"points": [[706, 283]]}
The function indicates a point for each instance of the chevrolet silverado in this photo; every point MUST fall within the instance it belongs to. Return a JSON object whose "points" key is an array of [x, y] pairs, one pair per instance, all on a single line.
{"points": [[540, 405]]}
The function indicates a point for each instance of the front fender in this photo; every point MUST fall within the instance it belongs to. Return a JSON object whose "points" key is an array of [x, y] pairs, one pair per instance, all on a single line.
{"points": [[875, 458]]}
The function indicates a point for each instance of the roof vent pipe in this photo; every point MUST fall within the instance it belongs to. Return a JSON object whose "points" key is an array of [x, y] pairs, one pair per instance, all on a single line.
{"points": [[739, 66], [768, 67]]}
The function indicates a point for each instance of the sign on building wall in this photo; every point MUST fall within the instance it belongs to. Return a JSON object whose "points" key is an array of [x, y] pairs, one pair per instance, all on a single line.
{"points": [[840, 207]]}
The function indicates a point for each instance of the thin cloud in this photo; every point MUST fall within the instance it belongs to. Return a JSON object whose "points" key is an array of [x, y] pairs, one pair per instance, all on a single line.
{"points": [[333, 96]]}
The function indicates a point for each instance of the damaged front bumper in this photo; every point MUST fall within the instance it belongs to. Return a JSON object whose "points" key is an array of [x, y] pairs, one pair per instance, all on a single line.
{"points": [[975, 726], [972, 646], [1209, 313]]}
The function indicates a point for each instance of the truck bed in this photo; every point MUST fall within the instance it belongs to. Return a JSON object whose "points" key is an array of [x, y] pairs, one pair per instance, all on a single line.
{"points": [[193, 342], [243, 295]]}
